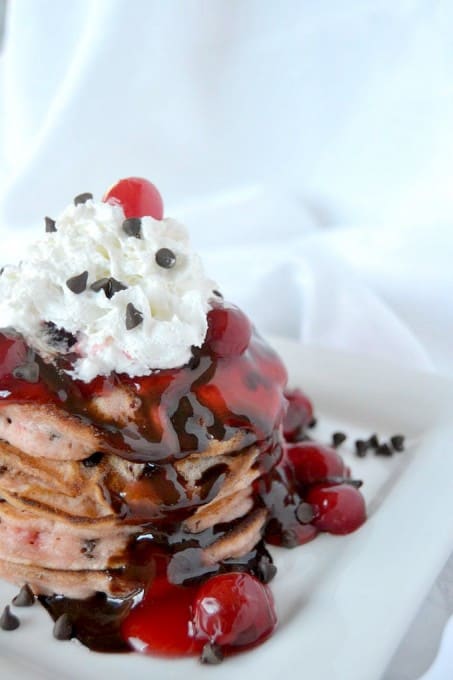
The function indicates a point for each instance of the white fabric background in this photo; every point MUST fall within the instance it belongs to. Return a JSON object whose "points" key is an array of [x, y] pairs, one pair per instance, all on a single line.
{"points": [[308, 145]]}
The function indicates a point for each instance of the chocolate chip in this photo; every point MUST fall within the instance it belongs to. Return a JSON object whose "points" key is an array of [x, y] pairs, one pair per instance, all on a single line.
{"points": [[50, 225], [304, 513], [93, 460], [88, 546], [133, 227], [165, 258], [211, 654], [361, 447], [313, 422], [63, 629], [83, 198], [218, 293], [109, 285], [25, 598], [373, 441], [397, 441], [77, 284], [8, 621], [133, 317], [338, 438], [384, 450], [265, 569], [28, 372]]}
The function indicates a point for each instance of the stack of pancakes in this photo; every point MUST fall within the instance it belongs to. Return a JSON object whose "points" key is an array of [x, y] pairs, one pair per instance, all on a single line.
{"points": [[64, 522]]}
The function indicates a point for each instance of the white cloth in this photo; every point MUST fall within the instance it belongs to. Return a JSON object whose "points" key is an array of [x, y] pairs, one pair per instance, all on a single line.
{"points": [[307, 144]]}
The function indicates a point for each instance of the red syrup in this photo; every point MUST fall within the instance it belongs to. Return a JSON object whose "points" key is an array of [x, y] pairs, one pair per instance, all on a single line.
{"points": [[232, 610]]}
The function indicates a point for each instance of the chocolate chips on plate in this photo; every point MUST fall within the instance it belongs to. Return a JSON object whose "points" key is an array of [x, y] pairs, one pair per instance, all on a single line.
{"points": [[8, 621]]}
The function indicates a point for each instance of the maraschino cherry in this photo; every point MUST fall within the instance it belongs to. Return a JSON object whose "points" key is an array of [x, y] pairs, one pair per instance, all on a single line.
{"points": [[137, 196], [234, 610], [312, 462], [298, 416], [338, 508], [229, 331]]}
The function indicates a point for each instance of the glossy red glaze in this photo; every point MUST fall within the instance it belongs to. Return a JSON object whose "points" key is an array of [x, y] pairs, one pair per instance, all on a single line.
{"points": [[162, 623], [234, 610], [339, 509], [137, 196], [313, 462], [13, 354], [298, 416], [229, 331]]}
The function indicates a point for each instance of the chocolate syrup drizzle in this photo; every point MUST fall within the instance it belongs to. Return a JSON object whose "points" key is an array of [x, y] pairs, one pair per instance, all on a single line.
{"points": [[179, 412]]}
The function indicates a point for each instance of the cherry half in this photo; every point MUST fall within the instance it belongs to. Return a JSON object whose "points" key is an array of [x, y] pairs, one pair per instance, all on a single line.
{"points": [[339, 508], [137, 196], [229, 331], [298, 416], [234, 610], [312, 462]]}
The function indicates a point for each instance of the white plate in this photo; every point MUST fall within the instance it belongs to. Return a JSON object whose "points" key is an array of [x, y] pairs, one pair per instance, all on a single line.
{"points": [[343, 602]]}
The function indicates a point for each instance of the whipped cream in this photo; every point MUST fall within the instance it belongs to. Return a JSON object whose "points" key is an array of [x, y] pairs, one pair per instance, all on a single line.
{"points": [[170, 305]]}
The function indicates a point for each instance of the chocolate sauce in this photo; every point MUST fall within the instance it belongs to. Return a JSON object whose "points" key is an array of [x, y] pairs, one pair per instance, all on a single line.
{"points": [[179, 412], [96, 621]]}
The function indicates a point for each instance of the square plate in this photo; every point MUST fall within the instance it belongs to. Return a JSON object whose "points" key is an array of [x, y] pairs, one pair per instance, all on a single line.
{"points": [[344, 603]]}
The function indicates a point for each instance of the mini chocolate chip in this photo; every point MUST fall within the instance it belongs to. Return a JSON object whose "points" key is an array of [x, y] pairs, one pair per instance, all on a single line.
{"points": [[77, 284], [218, 293], [313, 422], [83, 198], [50, 225], [93, 460], [338, 438], [397, 441], [384, 450], [63, 629], [88, 546], [109, 285], [373, 441], [211, 653], [304, 513], [133, 317], [133, 227], [165, 258], [28, 372], [25, 598], [265, 569], [8, 621], [361, 447]]}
